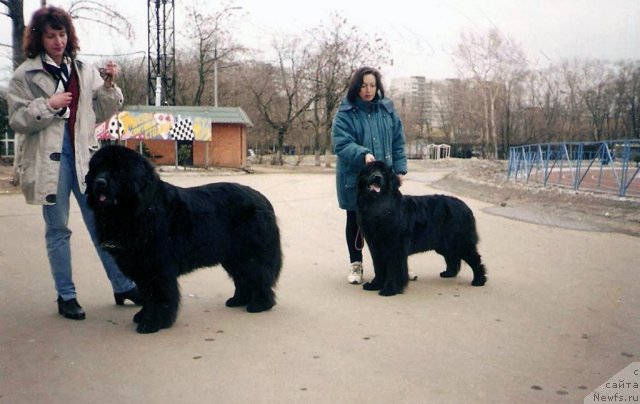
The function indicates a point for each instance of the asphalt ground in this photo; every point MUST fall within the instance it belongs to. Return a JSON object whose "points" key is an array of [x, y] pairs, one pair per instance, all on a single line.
{"points": [[556, 319]]}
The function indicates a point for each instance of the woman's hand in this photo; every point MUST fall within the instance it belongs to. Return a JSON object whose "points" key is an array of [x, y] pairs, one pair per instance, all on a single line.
{"points": [[400, 179], [369, 158], [109, 73], [60, 100]]}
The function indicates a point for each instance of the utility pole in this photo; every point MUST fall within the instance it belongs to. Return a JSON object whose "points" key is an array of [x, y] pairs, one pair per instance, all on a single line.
{"points": [[161, 65]]}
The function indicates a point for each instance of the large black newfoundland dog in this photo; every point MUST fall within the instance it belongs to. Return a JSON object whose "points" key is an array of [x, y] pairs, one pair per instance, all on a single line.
{"points": [[157, 232], [396, 226]]}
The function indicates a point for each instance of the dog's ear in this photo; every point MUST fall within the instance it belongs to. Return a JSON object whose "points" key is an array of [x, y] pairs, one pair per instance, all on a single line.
{"points": [[396, 181], [391, 174], [146, 180]]}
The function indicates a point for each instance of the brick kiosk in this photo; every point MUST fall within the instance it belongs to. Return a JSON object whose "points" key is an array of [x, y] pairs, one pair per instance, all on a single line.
{"points": [[218, 135]]}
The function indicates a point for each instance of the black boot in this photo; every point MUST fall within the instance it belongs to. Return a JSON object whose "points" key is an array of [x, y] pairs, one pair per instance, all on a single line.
{"points": [[70, 309], [131, 294]]}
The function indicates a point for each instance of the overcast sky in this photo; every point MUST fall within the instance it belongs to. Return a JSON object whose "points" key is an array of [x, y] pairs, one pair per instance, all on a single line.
{"points": [[421, 38]]}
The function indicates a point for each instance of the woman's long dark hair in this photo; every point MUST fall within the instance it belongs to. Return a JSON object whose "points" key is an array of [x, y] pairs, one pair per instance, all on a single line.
{"points": [[55, 18], [356, 83]]}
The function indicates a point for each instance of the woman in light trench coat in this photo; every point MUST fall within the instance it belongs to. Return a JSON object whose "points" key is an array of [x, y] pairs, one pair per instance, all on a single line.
{"points": [[54, 102]]}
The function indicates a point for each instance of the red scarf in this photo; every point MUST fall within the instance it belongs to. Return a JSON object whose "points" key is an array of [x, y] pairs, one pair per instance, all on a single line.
{"points": [[74, 89], [70, 84]]}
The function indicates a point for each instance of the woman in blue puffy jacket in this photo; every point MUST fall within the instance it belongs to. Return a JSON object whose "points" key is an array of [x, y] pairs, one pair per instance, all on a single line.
{"points": [[366, 128]]}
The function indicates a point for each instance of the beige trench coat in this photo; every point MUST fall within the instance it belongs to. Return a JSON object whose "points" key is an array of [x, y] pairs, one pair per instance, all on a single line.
{"points": [[40, 129]]}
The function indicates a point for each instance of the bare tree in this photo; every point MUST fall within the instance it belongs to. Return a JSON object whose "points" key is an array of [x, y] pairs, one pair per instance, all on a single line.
{"points": [[623, 90], [539, 109], [629, 97], [620, 88], [4, 109], [214, 46], [597, 95], [15, 12], [470, 117], [552, 106], [98, 12], [260, 138], [443, 107], [339, 49], [493, 61], [413, 119], [578, 124], [283, 91]]}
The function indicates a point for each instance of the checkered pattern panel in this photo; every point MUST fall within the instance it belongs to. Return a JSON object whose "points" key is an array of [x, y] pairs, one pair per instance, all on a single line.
{"points": [[182, 130]]}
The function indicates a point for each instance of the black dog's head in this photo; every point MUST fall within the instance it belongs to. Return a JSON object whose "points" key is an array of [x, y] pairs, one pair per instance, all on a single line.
{"points": [[118, 179], [377, 178]]}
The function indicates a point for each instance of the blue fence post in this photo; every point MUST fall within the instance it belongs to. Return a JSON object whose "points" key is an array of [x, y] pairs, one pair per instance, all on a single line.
{"points": [[579, 156], [626, 155], [614, 156]]}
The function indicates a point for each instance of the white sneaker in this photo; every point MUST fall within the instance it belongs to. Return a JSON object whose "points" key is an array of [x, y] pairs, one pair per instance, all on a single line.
{"points": [[412, 276], [355, 274]]}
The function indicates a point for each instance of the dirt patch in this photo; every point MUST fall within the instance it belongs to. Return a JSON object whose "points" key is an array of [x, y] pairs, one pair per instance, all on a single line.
{"points": [[487, 181]]}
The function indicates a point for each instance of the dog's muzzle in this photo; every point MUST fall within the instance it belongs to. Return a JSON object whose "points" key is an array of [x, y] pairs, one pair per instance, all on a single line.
{"points": [[375, 185], [100, 187]]}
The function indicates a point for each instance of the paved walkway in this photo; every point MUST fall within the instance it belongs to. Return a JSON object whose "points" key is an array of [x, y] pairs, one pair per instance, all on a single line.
{"points": [[558, 317]]}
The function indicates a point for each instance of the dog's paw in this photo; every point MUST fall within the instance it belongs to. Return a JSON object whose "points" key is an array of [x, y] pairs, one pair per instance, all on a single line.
{"points": [[448, 274], [139, 316], [147, 327], [389, 291], [237, 301], [479, 281], [372, 286], [257, 306]]}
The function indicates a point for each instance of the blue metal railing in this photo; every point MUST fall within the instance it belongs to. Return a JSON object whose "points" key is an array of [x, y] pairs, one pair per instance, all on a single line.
{"points": [[607, 166]]}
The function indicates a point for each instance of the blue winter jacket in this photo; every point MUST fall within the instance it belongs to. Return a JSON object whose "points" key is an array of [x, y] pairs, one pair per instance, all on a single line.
{"points": [[366, 127]]}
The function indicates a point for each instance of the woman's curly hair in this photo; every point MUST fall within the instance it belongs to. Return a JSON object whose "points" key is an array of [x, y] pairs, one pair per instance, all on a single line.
{"points": [[55, 18]]}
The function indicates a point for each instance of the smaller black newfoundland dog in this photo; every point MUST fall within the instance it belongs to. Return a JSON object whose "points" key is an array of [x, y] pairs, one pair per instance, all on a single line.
{"points": [[157, 231], [396, 226]]}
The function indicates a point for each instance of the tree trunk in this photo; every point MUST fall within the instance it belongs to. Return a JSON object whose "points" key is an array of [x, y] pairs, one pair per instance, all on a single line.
{"points": [[327, 158], [16, 14], [492, 117], [327, 142], [485, 134], [279, 159], [316, 146]]}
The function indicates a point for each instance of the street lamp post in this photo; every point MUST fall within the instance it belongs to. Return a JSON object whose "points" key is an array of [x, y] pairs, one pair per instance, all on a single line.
{"points": [[215, 77]]}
